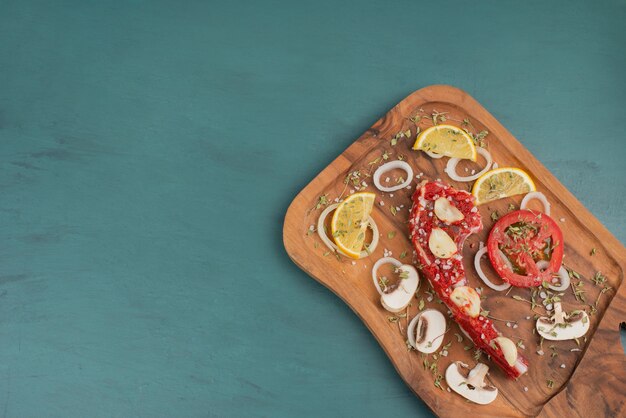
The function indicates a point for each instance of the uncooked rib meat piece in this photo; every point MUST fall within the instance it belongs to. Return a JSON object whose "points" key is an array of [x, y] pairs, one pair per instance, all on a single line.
{"points": [[444, 274]]}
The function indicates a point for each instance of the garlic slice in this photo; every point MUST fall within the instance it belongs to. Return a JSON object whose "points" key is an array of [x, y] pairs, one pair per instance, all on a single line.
{"points": [[440, 244], [446, 211]]}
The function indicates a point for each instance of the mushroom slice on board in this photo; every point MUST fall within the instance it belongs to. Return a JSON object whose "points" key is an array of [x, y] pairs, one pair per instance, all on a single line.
{"points": [[426, 330], [400, 297], [471, 383], [561, 326]]}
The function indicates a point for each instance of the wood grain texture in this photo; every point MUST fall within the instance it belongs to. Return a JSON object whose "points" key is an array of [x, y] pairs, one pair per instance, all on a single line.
{"points": [[599, 367]]}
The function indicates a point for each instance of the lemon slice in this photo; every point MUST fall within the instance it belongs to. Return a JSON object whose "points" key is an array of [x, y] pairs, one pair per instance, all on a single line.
{"points": [[446, 140], [502, 182], [349, 223]]}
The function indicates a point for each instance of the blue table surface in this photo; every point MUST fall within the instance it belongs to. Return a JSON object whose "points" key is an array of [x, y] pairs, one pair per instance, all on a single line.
{"points": [[149, 151]]}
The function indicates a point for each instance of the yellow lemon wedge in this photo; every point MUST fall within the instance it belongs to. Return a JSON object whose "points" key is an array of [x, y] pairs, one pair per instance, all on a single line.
{"points": [[502, 182], [349, 223], [446, 140]]}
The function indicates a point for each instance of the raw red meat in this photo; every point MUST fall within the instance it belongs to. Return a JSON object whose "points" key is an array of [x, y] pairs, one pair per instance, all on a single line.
{"points": [[446, 274]]}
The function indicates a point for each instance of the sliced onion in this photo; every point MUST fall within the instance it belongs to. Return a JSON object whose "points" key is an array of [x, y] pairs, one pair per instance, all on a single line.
{"points": [[452, 162], [391, 165], [380, 262], [483, 276], [434, 155], [540, 197], [321, 231], [563, 275]]}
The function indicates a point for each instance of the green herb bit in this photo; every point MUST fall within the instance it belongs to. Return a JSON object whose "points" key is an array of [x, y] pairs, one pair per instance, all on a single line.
{"points": [[593, 251], [375, 161], [391, 234], [459, 337], [521, 299], [477, 354], [409, 347], [403, 274], [598, 279], [511, 206], [421, 305], [573, 274], [392, 318], [393, 210], [550, 384], [322, 201], [385, 156], [495, 216], [438, 381], [467, 347], [403, 254], [484, 313], [326, 253], [579, 293]]}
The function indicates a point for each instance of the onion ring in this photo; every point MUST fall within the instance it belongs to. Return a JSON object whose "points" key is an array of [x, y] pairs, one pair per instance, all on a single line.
{"points": [[434, 155], [377, 264], [540, 197], [563, 275], [483, 276], [402, 165], [330, 244], [452, 162]]}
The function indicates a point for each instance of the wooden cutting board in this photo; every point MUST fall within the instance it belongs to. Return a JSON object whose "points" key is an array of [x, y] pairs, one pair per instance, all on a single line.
{"points": [[586, 383]]}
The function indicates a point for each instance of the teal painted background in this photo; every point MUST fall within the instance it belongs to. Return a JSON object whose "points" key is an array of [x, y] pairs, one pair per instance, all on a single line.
{"points": [[149, 151]]}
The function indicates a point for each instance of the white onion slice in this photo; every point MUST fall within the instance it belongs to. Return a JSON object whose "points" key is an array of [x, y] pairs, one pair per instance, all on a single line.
{"points": [[380, 262], [434, 155], [540, 197], [331, 245], [563, 275], [452, 163], [391, 165], [483, 276]]}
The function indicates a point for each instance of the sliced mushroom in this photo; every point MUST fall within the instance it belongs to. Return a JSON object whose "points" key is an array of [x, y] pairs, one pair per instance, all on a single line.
{"points": [[561, 326], [426, 331], [399, 298], [508, 347], [471, 385], [467, 299], [440, 244], [445, 211]]}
